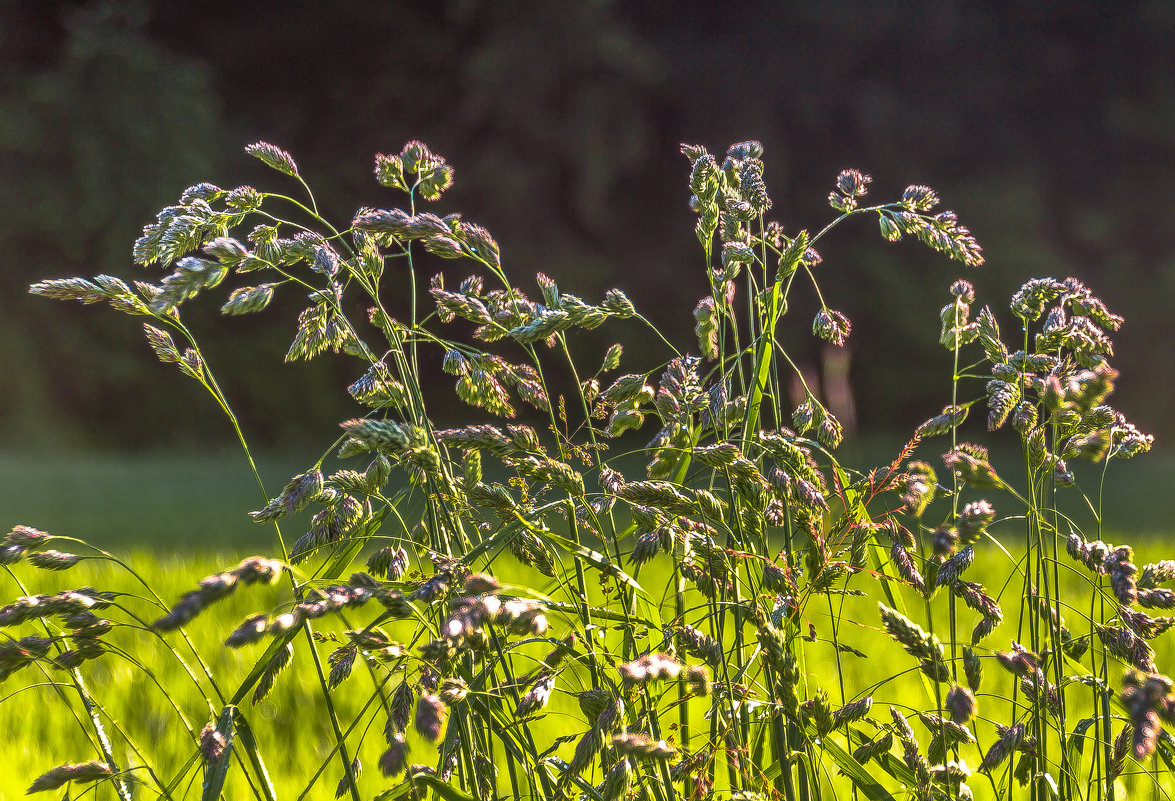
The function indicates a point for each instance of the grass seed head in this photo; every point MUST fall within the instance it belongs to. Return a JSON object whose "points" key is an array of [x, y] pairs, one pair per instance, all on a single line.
{"points": [[82, 772], [643, 746], [960, 702], [1007, 744], [430, 717], [213, 745], [874, 748], [51, 559], [618, 781], [395, 758], [589, 745], [26, 537]]}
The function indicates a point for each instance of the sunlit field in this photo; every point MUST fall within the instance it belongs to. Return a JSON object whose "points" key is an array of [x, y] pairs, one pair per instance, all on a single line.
{"points": [[144, 510]]}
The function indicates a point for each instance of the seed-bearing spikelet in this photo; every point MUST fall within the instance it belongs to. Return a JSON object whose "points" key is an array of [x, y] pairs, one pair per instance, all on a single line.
{"points": [[394, 759], [1128, 441], [830, 432], [298, 492], [852, 712], [1157, 598], [662, 495], [589, 745], [26, 537], [399, 710], [1092, 555], [345, 782], [213, 745], [35, 607], [952, 568], [698, 644], [1118, 757], [390, 562], [1009, 740], [642, 746], [1147, 698], [708, 322], [252, 570], [1143, 624], [646, 547], [1024, 418], [52, 559], [917, 487], [941, 727], [1019, 661], [651, 667], [904, 565], [274, 157], [972, 668], [537, 696], [697, 680], [969, 462], [973, 521], [1123, 643], [251, 630], [593, 703], [945, 542], [430, 717], [1038, 690], [18, 654], [910, 754], [983, 629], [1122, 572], [917, 642], [276, 665], [960, 703], [832, 326], [82, 772], [452, 691], [777, 579], [617, 782], [1002, 398], [919, 198]]}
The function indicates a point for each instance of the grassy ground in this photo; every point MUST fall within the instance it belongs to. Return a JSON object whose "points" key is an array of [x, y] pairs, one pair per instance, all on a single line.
{"points": [[182, 518], [170, 503]]}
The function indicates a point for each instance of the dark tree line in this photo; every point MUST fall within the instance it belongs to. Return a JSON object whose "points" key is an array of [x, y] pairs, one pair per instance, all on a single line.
{"points": [[1049, 127]]}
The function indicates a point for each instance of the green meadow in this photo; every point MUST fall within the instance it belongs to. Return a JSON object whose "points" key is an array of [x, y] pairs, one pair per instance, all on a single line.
{"points": [[176, 519]]}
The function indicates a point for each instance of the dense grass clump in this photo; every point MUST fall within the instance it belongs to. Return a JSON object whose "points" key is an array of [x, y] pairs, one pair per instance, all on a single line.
{"points": [[507, 609]]}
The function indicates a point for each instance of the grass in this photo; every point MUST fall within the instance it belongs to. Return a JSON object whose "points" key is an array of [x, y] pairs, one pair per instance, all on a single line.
{"points": [[736, 614], [37, 731], [163, 529]]}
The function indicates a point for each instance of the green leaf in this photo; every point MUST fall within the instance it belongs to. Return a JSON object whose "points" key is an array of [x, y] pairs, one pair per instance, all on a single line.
{"points": [[599, 613], [249, 741], [432, 782]]}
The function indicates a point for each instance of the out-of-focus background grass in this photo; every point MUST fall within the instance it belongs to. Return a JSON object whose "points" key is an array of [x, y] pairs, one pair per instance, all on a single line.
{"points": [[1049, 126]]}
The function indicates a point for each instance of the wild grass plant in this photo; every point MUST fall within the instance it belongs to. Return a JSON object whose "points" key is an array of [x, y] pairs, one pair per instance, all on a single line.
{"points": [[717, 624]]}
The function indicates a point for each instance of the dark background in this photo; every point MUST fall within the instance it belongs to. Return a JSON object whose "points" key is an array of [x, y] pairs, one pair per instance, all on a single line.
{"points": [[1048, 126]]}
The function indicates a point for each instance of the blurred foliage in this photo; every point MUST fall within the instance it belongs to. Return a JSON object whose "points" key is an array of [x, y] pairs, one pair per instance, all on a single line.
{"points": [[1049, 126]]}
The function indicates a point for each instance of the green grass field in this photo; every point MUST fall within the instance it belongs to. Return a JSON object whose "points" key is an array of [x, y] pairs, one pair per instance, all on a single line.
{"points": [[177, 520]]}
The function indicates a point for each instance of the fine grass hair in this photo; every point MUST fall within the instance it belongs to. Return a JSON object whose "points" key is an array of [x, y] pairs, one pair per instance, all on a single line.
{"points": [[520, 607]]}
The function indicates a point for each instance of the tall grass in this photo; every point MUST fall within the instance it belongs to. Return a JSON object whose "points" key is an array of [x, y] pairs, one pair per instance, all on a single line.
{"points": [[709, 616]]}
